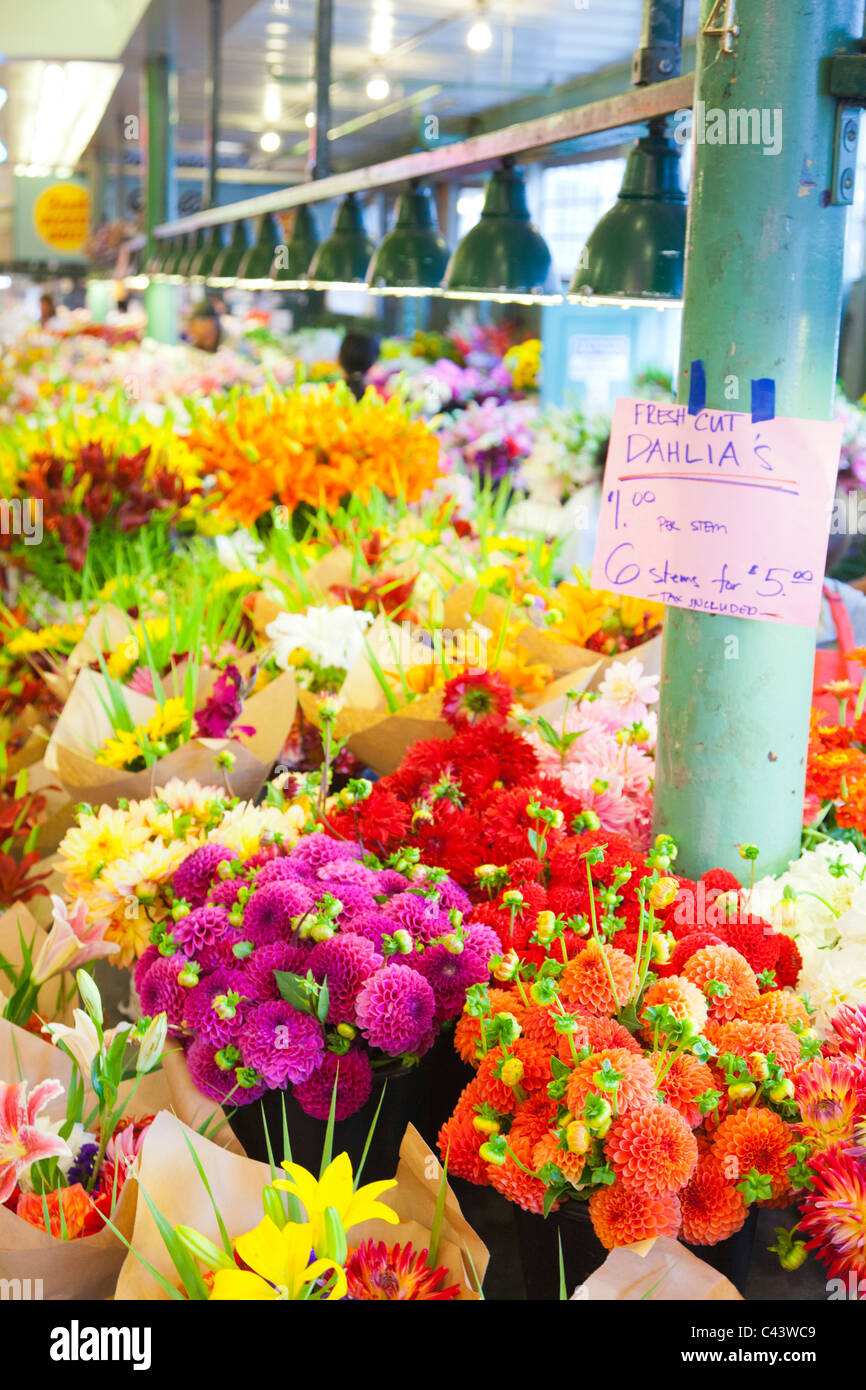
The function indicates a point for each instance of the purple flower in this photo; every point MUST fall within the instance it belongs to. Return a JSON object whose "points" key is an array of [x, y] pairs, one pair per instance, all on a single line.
{"points": [[317, 849], [395, 1009], [353, 1087], [346, 961], [218, 1079], [259, 968], [269, 912], [201, 927], [483, 940], [450, 976], [195, 876], [216, 1006], [373, 925], [282, 1043], [160, 992], [422, 917], [223, 706]]}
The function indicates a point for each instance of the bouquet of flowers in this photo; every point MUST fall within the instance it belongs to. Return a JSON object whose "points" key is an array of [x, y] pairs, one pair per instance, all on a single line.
{"points": [[306, 966], [626, 1059], [491, 439]]}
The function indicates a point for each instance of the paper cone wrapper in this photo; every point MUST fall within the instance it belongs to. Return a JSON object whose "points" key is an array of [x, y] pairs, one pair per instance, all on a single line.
{"points": [[105, 631], [468, 604], [188, 1104], [85, 1269], [49, 1001], [84, 726], [666, 1272], [168, 1174]]}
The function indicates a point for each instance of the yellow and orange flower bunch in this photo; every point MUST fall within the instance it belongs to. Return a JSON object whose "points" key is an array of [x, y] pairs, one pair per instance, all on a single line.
{"points": [[603, 621], [315, 446]]}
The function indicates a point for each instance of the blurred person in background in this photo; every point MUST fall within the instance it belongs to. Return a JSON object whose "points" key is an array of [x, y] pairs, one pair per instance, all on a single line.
{"points": [[358, 352], [203, 328], [47, 310]]}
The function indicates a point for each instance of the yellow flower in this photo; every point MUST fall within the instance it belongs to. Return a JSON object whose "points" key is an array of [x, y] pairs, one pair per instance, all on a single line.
{"points": [[121, 750], [55, 635], [334, 1189], [244, 827], [169, 718], [279, 1267], [97, 840]]}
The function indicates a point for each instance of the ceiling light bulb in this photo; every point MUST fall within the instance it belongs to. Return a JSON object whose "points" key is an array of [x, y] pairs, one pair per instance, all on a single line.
{"points": [[270, 142], [277, 28], [310, 120], [271, 109], [480, 36], [378, 87]]}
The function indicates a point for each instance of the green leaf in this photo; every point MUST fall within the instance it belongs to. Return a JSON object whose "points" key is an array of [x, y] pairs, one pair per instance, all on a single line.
{"points": [[551, 1195], [324, 1002], [203, 1249], [368, 1141], [563, 1291], [328, 1146], [438, 1217], [224, 1235], [293, 988]]}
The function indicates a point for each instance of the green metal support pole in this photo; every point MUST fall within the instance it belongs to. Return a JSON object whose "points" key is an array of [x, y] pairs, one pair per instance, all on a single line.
{"points": [[160, 189], [762, 299]]}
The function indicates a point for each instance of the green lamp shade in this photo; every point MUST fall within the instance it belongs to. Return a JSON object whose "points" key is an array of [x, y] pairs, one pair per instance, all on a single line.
{"points": [[343, 258], [292, 261], [204, 261], [637, 250], [226, 266], [157, 259], [180, 249], [255, 268], [196, 242], [414, 255], [504, 256]]}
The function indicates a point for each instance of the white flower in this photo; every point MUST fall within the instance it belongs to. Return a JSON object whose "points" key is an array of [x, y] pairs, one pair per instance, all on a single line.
{"points": [[625, 684], [331, 636], [239, 551]]}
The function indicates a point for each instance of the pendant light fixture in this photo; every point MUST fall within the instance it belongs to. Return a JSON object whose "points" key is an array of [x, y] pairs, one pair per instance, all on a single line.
{"points": [[158, 260], [636, 253], [503, 257], [291, 265], [414, 255], [341, 261], [171, 274], [203, 263], [254, 271], [226, 265], [188, 260]]}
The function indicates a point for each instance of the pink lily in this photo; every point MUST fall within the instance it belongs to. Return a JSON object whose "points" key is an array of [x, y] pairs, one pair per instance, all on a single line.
{"points": [[70, 942], [22, 1142]]}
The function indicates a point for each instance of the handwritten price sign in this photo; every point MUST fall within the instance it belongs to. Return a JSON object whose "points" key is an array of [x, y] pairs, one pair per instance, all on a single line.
{"points": [[716, 513]]}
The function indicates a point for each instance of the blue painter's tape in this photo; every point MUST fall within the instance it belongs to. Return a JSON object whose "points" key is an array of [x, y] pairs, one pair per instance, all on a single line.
{"points": [[697, 387], [763, 399]]}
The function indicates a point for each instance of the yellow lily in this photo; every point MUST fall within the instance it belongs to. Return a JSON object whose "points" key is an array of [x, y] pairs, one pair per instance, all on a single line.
{"points": [[279, 1267], [334, 1189]]}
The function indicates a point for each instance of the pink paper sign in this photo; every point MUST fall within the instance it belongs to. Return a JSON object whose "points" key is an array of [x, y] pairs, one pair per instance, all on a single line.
{"points": [[714, 513]]}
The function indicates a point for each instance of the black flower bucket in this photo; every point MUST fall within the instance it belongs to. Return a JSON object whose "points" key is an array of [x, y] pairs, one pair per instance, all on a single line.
{"points": [[423, 1096]]}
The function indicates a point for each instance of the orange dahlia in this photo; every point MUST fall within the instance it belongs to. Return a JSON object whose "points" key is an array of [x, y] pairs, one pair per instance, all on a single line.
{"points": [[652, 1151], [742, 1037], [530, 1124], [460, 1142], [467, 1034], [686, 1079], [538, 1027], [683, 998], [622, 1215], [491, 1090], [636, 1087], [726, 966], [519, 1187], [831, 1096], [598, 1033], [757, 1139], [712, 1207], [778, 1006], [549, 1150], [585, 982]]}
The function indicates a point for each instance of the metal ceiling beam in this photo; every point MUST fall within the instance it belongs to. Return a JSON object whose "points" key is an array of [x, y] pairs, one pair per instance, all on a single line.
{"points": [[478, 152]]}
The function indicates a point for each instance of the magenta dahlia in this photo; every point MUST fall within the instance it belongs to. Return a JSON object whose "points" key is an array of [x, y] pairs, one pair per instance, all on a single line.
{"points": [[353, 1087], [317, 849], [201, 927], [281, 1043], [269, 912], [292, 957], [160, 992], [196, 875], [395, 1009], [346, 961], [216, 1006], [219, 1075], [449, 975]]}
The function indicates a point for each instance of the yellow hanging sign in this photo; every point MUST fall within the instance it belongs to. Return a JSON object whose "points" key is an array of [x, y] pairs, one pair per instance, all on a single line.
{"points": [[61, 216]]}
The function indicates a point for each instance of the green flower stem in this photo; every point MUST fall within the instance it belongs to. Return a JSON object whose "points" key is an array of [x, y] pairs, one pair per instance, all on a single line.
{"points": [[597, 938]]}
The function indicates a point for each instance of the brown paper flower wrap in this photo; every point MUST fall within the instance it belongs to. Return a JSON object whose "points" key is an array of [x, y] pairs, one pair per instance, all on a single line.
{"points": [[87, 1268], [84, 725], [657, 1271], [168, 1174]]}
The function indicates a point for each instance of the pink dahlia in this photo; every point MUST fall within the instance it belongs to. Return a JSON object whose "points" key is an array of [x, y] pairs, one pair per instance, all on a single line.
{"points": [[142, 965], [220, 1078], [201, 927], [395, 1009], [269, 912], [215, 1007], [281, 1043], [196, 875], [278, 871], [476, 697], [258, 968], [417, 915], [225, 893], [450, 976], [160, 992], [353, 1087], [345, 961], [374, 925], [483, 940], [317, 849]]}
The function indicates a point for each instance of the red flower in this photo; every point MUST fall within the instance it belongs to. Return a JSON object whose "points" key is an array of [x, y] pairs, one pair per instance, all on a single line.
{"points": [[474, 697]]}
